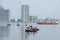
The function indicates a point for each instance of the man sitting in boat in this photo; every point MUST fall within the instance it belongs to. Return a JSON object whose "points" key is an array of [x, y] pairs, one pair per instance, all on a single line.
{"points": [[27, 27]]}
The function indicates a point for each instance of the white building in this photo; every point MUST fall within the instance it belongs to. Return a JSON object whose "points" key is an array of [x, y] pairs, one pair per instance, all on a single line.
{"points": [[25, 13], [32, 18]]}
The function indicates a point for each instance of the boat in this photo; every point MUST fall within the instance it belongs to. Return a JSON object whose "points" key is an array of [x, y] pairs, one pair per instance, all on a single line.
{"points": [[32, 30], [48, 21]]}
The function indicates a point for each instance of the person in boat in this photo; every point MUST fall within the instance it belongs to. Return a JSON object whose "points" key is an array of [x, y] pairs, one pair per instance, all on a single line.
{"points": [[31, 27], [35, 28], [27, 27]]}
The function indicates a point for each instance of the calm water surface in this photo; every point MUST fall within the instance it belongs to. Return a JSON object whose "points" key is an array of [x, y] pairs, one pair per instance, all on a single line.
{"points": [[46, 32]]}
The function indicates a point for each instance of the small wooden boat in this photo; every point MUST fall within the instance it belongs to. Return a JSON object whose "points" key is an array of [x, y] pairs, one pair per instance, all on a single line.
{"points": [[32, 30]]}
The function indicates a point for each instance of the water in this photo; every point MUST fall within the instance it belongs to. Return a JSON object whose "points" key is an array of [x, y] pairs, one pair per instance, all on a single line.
{"points": [[46, 32]]}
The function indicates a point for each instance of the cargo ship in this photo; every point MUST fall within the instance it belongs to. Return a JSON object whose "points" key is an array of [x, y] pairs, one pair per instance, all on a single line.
{"points": [[52, 23], [48, 21]]}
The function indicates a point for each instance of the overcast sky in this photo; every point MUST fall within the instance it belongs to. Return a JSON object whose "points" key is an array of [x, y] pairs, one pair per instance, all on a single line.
{"points": [[40, 8]]}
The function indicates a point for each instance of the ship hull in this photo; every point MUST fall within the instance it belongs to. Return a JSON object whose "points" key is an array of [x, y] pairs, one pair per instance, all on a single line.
{"points": [[48, 23], [32, 30]]}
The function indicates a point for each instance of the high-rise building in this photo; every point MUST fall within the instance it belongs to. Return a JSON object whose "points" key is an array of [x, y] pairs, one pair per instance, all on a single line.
{"points": [[32, 18], [25, 13], [4, 28], [4, 14]]}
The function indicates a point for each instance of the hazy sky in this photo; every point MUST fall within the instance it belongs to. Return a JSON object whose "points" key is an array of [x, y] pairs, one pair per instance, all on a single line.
{"points": [[40, 8]]}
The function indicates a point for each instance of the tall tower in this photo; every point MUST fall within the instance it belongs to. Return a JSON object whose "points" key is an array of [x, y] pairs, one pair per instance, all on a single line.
{"points": [[25, 13]]}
